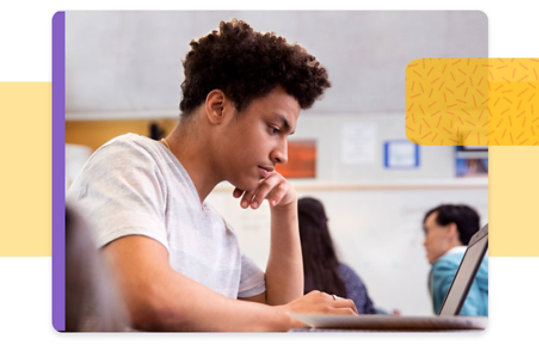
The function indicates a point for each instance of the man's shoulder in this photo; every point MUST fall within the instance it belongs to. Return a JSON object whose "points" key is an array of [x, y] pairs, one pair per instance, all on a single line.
{"points": [[128, 156], [128, 147], [128, 140], [448, 261]]}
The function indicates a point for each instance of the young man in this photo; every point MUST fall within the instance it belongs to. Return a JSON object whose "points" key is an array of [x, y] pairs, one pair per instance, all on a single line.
{"points": [[177, 262], [448, 230]]}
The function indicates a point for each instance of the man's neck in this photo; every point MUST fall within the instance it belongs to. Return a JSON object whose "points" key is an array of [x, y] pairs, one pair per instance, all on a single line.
{"points": [[454, 249], [192, 152]]}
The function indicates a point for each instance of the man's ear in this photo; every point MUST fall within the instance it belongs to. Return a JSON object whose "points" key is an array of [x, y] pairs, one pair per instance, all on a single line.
{"points": [[453, 232], [215, 106]]}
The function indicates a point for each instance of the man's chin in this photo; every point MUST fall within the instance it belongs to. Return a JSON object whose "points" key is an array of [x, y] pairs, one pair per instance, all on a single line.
{"points": [[245, 185]]}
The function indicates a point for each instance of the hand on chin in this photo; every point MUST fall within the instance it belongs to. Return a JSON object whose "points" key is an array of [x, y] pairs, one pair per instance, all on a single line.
{"points": [[273, 187]]}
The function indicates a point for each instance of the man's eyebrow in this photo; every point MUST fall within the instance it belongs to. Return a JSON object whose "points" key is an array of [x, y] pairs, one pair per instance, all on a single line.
{"points": [[284, 121]]}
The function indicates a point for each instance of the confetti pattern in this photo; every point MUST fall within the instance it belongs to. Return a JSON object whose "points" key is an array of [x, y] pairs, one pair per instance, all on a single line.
{"points": [[472, 101]]}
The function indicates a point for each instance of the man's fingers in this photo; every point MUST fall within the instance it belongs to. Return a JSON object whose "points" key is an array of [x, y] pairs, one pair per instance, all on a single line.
{"points": [[267, 190], [263, 189], [277, 194], [345, 303], [273, 188], [343, 311], [246, 199], [339, 304], [255, 197]]}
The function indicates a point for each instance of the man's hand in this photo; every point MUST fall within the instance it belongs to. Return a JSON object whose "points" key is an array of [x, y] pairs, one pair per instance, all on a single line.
{"points": [[274, 187], [316, 302]]}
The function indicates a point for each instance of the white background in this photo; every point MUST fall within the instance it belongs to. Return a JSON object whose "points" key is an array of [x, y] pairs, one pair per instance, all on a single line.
{"points": [[25, 286]]}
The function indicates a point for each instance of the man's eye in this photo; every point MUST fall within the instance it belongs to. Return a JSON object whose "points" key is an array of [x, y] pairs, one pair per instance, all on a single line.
{"points": [[274, 129]]}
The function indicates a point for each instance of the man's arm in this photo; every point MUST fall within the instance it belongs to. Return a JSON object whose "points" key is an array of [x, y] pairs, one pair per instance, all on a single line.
{"points": [[159, 298], [284, 271], [443, 272]]}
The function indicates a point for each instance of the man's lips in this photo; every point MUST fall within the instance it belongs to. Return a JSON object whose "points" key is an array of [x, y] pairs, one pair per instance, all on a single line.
{"points": [[265, 170]]}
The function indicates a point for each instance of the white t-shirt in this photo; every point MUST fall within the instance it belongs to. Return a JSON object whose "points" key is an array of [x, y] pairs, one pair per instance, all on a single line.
{"points": [[134, 185]]}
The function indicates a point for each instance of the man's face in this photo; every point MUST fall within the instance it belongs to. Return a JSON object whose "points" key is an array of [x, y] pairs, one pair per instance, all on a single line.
{"points": [[436, 239], [255, 139]]}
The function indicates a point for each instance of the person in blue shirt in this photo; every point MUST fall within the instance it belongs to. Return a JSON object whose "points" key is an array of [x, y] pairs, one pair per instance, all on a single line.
{"points": [[448, 229], [322, 269]]}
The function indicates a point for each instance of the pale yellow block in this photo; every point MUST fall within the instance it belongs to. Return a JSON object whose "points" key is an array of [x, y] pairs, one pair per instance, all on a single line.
{"points": [[472, 101], [25, 185], [513, 201]]}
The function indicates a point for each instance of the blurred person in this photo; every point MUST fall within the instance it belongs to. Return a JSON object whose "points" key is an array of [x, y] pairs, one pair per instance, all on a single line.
{"points": [[322, 269], [448, 230], [92, 301]]}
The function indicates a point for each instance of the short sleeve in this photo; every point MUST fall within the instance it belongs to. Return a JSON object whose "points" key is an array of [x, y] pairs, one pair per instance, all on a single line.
{"points": [[120, 191], [252, 279]]}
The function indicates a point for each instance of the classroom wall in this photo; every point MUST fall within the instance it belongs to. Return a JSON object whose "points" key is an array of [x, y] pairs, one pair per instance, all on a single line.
{"points": [[329, 129], [130, 61]]}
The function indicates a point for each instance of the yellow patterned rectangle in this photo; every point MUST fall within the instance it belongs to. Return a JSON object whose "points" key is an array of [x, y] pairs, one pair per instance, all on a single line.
{"points": [[25, 208], [472, 101]]}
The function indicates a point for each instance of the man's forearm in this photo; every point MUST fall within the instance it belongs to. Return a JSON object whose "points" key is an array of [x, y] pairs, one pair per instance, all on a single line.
{"points": [[158, 298], [284, 272], [211, 312]]}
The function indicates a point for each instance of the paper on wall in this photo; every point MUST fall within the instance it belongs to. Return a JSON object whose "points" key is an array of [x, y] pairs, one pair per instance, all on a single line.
{"points": [[358, 143]]}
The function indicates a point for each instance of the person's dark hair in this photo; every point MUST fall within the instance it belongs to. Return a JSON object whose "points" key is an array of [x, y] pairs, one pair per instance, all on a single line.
{"points": [[246, 64], [465, 217], [320, 263]]}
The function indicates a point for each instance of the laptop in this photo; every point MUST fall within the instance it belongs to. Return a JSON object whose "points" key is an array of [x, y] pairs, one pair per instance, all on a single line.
{"points": [[447, 319]]}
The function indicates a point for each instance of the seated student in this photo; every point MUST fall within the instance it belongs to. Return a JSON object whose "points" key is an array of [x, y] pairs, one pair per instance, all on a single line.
{"points": [[448, 229], [176, 260], [322, 270]]}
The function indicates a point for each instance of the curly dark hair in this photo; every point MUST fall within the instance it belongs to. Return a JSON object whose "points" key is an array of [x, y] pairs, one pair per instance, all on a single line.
{"points": [[246, 64]]}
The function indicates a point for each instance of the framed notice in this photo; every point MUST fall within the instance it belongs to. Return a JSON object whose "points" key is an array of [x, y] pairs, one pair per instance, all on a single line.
{"points": [[401, 154]]}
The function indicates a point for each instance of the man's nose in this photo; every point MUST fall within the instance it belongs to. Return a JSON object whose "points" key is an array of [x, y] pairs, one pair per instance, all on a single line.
{"points": [[280, 153]]}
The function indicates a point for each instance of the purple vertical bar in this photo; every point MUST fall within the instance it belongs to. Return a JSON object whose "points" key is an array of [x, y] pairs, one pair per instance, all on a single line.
{"points": [[58, 171]]}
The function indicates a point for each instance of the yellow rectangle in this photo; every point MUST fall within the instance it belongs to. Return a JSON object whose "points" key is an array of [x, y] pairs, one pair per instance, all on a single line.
{"points": [[472, 101], [25, 208], [513, 195]]}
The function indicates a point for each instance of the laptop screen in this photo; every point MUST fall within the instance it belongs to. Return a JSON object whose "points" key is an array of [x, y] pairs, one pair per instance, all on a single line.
{"points": [[466, 273]]}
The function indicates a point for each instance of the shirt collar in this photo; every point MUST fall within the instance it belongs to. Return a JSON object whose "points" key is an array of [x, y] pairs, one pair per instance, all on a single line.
{"points": [[456, 249]]}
